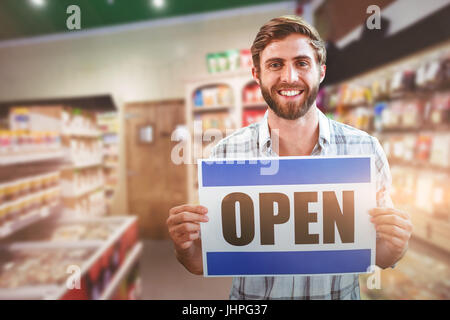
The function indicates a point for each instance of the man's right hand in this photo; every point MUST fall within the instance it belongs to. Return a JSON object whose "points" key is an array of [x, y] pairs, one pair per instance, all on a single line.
{"points": [[184, 224]]}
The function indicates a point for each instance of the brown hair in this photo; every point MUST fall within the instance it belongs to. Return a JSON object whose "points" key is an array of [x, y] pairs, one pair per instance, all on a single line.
{"points": [[281, 27]]}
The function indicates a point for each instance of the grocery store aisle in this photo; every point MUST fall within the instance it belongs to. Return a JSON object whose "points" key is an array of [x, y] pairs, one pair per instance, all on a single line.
{"points": [[164, 278]]}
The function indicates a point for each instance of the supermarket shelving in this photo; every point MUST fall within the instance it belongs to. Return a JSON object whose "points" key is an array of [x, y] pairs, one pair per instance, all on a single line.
{"points": [[100, 247], [11, 227], [236, 81], [197, 110], [81, 192], [132, 258], [6, 160], [82, 133]]}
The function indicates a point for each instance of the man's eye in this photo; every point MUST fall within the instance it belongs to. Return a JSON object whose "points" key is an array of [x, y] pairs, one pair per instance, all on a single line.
{"points": [[275, 65], [302, 64]]}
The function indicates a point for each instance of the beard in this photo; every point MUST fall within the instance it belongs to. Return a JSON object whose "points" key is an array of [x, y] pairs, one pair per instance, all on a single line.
{"points": [[289, 110]]}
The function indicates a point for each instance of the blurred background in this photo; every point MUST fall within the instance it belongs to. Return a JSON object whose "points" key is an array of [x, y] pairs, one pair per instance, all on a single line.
{"points": [[102, 109]]}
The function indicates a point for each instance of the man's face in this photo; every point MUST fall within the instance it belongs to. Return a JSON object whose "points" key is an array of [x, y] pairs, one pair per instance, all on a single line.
{"points": [[289, 76]]}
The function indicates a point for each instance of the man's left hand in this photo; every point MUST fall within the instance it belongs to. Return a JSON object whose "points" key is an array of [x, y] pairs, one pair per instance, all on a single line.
{"points": [[394, 229]]}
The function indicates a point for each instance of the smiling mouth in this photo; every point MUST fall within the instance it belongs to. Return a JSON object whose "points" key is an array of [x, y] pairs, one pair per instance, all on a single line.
{"points": [[290, 93]]}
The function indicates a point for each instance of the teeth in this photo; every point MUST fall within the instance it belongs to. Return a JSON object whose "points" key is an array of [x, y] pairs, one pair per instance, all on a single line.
{"points": [[289, 93]]}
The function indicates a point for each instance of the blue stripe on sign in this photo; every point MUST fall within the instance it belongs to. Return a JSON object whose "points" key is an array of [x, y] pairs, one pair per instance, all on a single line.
{"points": [[290, 171], [287, 262]]}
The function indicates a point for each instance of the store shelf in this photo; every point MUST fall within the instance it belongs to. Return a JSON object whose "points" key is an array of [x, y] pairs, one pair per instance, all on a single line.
{"points": [[196, 110], [110, 165], [111, 153], [428, 228], [10, 228], [81, 192], [6, 160], [82, 133], [131, 259], [418, 165], [84, 164]]}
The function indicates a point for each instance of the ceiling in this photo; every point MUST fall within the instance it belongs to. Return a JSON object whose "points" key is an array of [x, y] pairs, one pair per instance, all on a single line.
{"points": [[30, 18]]}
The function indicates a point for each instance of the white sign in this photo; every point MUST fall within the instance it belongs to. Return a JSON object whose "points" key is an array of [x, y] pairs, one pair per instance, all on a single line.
{"points": [[309, 217]]}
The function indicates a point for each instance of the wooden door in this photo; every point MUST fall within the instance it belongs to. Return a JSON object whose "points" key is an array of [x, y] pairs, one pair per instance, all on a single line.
{"points": [[155, 183]]}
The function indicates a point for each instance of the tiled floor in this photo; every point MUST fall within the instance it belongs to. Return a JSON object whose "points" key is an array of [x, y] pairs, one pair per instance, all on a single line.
{"points": [[163, 277]]}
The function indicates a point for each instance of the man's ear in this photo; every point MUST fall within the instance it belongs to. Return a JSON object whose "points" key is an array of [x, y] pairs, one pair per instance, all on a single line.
{"points": [[255, 75], [323, 69]]}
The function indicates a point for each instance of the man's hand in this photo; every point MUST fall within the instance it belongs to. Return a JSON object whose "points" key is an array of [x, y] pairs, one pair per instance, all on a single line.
{"points": [[394, 229], [184, 229], [184, 224]]}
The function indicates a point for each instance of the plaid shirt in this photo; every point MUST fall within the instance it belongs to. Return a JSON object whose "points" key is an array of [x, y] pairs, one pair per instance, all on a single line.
{"points": [[334, 139]]}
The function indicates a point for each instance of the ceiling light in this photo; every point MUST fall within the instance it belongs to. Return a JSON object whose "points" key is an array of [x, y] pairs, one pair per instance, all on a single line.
{"points": [[158, 3], [38, 3]]}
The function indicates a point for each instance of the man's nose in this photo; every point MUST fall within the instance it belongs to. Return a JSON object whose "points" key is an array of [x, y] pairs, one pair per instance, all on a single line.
{"points": [[290, 74]]}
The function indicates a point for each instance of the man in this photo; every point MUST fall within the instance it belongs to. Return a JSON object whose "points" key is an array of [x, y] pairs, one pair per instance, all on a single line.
{"points": [[289, 64]]}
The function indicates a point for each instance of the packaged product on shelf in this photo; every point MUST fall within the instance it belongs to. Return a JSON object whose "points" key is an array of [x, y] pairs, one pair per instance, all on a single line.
{"points": [[212, 62], [2, 193], [423, 146], [421, 75], [2, 213], [34, 267], [403, 185], [224, 95], [250, 116], [222, 61], [402, 81], [210, 96], [444, 72], [441, 196], [17, 208], [198, 98], [379, 88], [36, 184], [408, 80], [216, 120], [12, 190], [78, 182], [440, 109], [19, 119], [8, 213], [332, 97], [36, 202], [24, 186], [392, 114], [69, 230], [411, 114], [252, 94], [5, 142], [430, 74], [378, 115], [360, 118], [440, 150], [246, 58], [97, 203], [397, 147], [78, 122], [424, 192], [409, 147], [84, 151], [27, 206], [233, 59], [248, 93]]}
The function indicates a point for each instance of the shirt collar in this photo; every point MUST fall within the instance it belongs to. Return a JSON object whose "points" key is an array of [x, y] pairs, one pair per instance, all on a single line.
{"points": [[324, 127], [264, 134]]}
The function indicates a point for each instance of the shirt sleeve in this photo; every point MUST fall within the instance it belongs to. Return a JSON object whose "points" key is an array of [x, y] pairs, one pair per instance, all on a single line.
{"points": [[383, 176]]}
